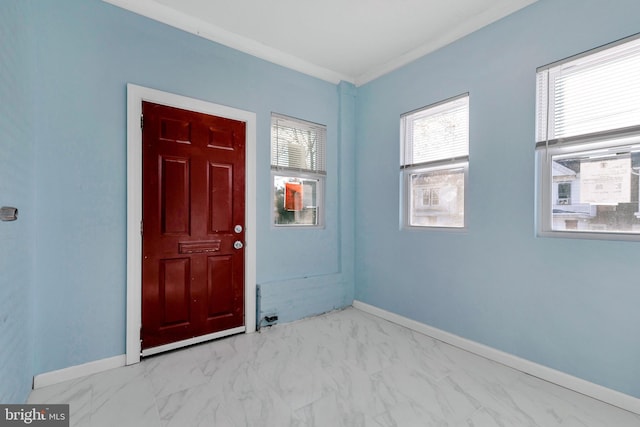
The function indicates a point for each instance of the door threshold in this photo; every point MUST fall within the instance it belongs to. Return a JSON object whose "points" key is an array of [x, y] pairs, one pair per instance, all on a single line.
{"points": [[191, 341]]}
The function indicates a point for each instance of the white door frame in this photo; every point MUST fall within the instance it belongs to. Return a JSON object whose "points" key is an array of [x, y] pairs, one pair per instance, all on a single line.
{"points": [[135, 96]]}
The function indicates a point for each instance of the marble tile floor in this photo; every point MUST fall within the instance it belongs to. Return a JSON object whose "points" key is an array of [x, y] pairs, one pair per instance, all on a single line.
{"points": [[345, 368]]}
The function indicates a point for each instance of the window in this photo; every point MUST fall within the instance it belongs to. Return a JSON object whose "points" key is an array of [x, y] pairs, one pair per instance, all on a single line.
{"points": [[588, 143], [564, 193], [297, 171], [435, 157]]}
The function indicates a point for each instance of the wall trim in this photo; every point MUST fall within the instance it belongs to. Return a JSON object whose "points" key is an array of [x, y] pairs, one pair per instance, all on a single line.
{"points": [[135, 95], [155, 10], [161, 13], [78, 371], [604, 394]]}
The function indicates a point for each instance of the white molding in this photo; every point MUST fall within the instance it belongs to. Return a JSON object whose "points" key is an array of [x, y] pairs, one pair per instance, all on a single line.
{"points": [[474, 23], [604, 394], [78, 371], [161, 13], [167, 15], [135, 96]]}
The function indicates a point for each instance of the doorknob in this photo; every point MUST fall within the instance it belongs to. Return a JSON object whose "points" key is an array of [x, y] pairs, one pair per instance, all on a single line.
{"points": [[237, 228], [238, 244]]}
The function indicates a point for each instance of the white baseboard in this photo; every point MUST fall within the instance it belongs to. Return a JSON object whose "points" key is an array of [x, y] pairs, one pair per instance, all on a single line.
{"points": [[78, 371], [604, 394]]}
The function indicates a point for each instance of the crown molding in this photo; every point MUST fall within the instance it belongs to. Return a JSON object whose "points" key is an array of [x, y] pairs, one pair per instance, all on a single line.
{"points": [[471, 25], [201, 28]]}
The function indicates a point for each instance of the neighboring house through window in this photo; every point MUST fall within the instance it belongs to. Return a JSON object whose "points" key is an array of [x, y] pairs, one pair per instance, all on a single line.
{"points": [[564, 193]]}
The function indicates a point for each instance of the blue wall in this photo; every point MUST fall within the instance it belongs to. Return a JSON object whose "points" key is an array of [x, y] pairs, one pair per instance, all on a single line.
{"points": [[568, 304], [313, 293], [16, 189], [87, 52]]}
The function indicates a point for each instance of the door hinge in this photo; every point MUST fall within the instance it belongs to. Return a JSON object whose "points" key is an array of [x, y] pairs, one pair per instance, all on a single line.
{"points": [[141, 121], [141, 228]]}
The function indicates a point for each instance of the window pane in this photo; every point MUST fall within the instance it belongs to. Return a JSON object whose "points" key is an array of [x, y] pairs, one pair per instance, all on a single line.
{"points": [[598, 98], [296, 200], [296, 144], [593, 93], [437, 198], [438, 133], [596, 191]]}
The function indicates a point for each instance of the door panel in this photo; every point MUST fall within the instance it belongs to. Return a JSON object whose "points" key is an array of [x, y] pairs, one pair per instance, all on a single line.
{"points": [[193, 196], [174, 291], [175, 130], [175, 203], [220, 210], [220, 138], [220, 291]]}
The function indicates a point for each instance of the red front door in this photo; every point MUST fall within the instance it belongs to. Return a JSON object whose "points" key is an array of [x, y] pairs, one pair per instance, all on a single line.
{"points": [[193, 224]]}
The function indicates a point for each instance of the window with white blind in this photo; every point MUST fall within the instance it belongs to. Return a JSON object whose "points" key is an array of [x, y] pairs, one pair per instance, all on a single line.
{"points": [[434, 162], [588, 143], [298, 169]]}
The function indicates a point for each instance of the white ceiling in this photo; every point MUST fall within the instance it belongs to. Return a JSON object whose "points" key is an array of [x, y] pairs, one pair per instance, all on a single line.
{"points": [[351, 40]]}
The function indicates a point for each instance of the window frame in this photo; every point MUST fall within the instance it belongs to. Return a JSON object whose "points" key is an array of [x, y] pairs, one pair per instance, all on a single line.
{"points": [[407, 196], [444, 164], [614, 141], [318, 175], [320, 199], [548, 145], [577, 145]]}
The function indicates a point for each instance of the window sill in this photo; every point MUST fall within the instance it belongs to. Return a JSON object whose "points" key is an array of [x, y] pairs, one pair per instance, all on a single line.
{"points": [[591, 235], [456, 230]]}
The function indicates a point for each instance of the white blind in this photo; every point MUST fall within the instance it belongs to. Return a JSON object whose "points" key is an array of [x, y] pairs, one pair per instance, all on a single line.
{"points": [[440, 132], [297, 145], [593, 93]]}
